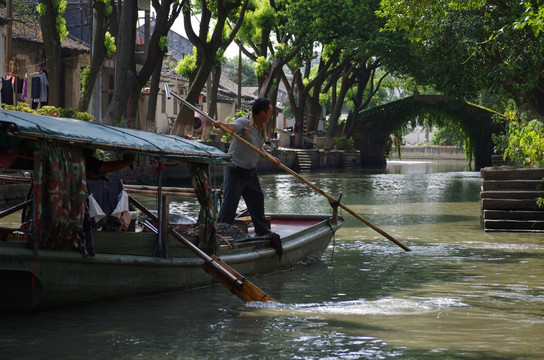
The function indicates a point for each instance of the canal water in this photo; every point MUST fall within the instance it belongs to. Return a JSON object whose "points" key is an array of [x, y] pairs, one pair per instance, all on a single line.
{"points": [[459, 294]]}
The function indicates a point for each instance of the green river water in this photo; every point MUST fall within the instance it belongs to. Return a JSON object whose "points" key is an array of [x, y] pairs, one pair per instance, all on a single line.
{"points": [[459, 294]]}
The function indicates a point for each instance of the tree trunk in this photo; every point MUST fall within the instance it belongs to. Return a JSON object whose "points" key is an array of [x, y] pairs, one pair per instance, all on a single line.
{"points": [[154, 89], [271, 124], [48, 25], [214, 88], [212, 102], [125, 75], [98, 54], [184, 121]]}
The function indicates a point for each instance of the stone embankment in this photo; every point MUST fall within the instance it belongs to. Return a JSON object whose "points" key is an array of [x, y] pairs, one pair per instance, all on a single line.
{"points": [[509, 199], [311, 159], [430, 153], [296, 159]]}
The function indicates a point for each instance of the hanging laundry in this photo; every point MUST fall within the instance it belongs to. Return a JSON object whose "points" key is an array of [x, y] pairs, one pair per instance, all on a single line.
{"points": [[25, 81], [44, 83], [20, 83], [36, 87], [35, 90], [7, 90]]}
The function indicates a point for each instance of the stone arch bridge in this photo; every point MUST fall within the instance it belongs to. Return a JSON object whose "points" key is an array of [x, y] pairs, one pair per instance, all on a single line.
{"points": [[373, 129]]}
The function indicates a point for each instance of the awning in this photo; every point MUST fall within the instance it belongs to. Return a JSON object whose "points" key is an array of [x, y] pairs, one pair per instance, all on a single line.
{"points": [[90, 135]]}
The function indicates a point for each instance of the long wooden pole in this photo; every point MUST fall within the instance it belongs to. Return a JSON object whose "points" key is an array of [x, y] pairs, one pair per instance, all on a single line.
{"points": [[230, 278], [265, 155]]}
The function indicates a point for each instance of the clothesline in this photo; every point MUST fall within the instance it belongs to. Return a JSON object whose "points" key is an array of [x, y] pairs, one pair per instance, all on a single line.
{"points": [[34, 65], [24, 67]]}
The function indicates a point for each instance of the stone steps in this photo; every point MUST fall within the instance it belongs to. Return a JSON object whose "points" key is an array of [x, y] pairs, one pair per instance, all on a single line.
{"points": [[509, 199], [304, 159], [350, 159]]}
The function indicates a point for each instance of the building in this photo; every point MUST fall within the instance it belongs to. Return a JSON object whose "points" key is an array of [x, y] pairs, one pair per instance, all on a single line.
{"points": [[28, 59]]}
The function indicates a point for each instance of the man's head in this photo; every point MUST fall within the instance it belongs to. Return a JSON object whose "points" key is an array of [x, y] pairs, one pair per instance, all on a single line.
{"points": [[261, 110]]}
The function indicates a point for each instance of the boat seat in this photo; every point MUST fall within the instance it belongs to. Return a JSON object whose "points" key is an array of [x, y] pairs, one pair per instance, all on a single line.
{"points": [[243, 222]]}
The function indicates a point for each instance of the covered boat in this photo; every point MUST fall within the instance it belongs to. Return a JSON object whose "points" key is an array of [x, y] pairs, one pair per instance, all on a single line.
{"points": [[55, 258]]}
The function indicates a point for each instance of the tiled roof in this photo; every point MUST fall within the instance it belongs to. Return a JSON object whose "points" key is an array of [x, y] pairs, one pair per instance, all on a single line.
{"points": [[30, 31]]}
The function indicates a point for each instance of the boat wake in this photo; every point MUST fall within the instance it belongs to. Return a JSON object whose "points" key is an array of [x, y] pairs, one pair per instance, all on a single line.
{"points": [[360, 307]]}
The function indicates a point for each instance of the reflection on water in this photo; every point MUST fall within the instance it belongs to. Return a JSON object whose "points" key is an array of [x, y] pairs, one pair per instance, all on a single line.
{"points": [[460, 294]]}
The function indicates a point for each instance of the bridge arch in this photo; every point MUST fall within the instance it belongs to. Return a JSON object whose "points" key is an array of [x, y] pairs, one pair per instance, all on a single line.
{"points": [[375, 126]]}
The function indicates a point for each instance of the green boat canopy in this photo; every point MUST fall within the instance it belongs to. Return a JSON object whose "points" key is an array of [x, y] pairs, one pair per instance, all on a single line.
{"points": [[85, 134]]}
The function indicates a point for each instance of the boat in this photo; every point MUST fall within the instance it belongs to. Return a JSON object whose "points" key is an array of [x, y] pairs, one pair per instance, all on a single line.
{"points": [[41, 264]]}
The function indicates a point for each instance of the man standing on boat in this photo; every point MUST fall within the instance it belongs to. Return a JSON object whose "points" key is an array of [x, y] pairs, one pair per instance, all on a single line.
{"points": [[241, 179]]}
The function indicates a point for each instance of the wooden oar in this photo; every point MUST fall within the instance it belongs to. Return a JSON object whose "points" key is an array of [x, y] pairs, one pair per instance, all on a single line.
{"points": [[230, 278], [15, 208], [298, 176]]}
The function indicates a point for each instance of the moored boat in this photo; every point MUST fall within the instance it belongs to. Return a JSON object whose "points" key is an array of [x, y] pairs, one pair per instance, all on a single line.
{"points": [[38, 264]]}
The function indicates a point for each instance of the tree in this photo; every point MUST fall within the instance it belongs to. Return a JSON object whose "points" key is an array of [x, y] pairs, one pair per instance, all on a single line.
{"points": [[256, 34], [249, 78], [208, 47], [103, 47], [53, 27], [349, 32], [128, 81], [464, 47]]}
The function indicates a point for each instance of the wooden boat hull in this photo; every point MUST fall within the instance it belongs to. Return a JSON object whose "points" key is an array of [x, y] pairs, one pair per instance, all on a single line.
{"points": [[126, 267]]}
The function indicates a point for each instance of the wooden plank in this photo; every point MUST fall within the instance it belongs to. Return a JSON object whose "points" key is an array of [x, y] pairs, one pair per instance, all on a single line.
{"points": [[514, 225], [14, 179], [513, 215], [511, 194], [166, 191], [490, 185], [512, 174], [509, 204]]}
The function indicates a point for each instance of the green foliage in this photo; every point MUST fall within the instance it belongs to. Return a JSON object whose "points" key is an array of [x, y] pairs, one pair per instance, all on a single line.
{"points": [[540, 201], [249, 78], [342, 143], [226, 136], [262, 65], [109, 43], [59, 7], [257, 20], [21, 106], [101, 155], [186, 67], [265, 16], [465, 46], [163, 43], [41, 8], [448, 135], [85, 79], [526, 143], [501, 140], [533, 17], [51, 111], [108, 8]]}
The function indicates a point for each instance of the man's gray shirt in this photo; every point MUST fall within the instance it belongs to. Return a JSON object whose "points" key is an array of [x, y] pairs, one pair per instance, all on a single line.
{"points": [[242, 155]]}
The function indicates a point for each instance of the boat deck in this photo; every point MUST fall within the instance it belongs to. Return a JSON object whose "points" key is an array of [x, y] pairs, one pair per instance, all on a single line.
{"points": [[286, 227]]}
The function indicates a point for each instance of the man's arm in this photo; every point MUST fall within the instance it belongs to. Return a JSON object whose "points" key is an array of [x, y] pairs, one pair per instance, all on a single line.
{"points": [[224, 126]]}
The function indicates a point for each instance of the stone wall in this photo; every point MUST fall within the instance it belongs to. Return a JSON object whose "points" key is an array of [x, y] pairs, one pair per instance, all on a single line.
{"points": [[430, 152]]}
